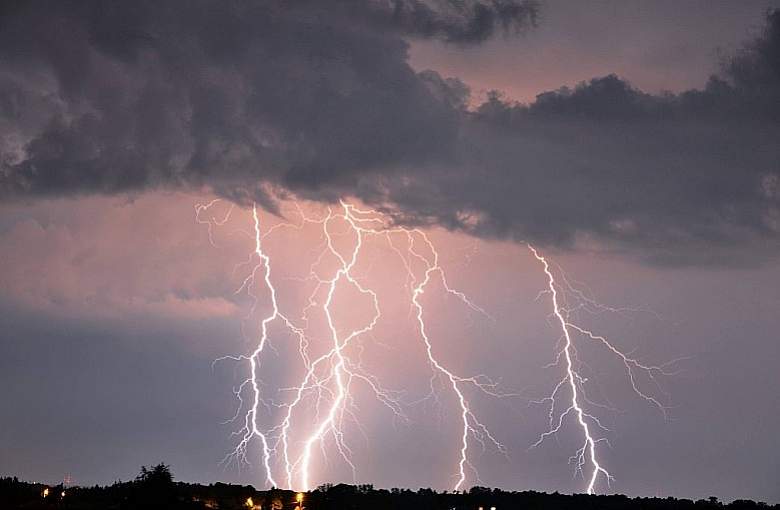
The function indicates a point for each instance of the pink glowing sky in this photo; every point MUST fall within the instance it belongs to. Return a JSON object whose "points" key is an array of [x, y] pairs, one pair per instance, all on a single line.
{"points": [[141, 271]]}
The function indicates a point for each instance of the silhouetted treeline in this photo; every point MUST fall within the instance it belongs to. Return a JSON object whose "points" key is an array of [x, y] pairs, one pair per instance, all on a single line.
{"points": [[154, 488]]}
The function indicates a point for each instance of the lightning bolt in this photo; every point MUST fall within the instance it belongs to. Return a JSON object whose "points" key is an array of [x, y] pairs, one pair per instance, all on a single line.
{"points": [[572, 379], [251, 428], [326, 388], [340, 369], [471, 426]]}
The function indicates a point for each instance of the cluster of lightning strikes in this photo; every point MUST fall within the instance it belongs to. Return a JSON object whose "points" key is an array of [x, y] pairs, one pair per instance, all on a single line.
{"points": [[328, 380]]}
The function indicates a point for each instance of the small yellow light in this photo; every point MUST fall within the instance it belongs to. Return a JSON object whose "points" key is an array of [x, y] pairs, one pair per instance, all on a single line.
{"points": [[249, 503], [299, 497], [45, 492], [63, 494]]}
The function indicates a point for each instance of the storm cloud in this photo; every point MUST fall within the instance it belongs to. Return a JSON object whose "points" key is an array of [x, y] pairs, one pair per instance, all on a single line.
{"points": [[317, 99]]}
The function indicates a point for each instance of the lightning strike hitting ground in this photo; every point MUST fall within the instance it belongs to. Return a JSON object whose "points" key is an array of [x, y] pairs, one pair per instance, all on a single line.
{"points": [[329, 379], [571, 379], [587, 454]]}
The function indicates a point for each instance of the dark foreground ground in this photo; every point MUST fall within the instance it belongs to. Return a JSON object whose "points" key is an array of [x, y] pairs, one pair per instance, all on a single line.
{"points": [[155, 489]]}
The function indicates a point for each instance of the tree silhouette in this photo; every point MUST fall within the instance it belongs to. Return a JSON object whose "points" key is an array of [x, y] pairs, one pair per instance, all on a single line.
{"points": [[158, 476], [153, 488]]}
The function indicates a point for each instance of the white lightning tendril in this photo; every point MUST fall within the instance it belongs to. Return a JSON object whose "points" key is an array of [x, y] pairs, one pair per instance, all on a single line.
{"points": [[326, 386], [587, 454], [328, 378]]}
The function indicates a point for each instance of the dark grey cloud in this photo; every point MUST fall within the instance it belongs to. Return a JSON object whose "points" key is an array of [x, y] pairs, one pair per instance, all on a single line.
{"points": [[109, 98], [317, 98], [453, 21], [673, 177]]}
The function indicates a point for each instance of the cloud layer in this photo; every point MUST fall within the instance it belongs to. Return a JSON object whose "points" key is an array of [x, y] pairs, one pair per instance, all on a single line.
{"points": [[257, 99]]}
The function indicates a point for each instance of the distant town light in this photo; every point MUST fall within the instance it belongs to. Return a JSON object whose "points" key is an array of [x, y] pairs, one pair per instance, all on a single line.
{"points": [[45, 492]]}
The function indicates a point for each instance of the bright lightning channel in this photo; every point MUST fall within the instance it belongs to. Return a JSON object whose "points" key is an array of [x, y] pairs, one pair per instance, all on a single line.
{"points": [[329, 378], [588, 454], [331, 375]]}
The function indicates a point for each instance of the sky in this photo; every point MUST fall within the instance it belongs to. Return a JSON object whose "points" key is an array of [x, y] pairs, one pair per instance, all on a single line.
{"points": [[633, 143]]}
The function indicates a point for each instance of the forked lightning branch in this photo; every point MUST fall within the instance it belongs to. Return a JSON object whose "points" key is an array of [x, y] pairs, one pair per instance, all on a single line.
{"points": [[330, 378]]}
